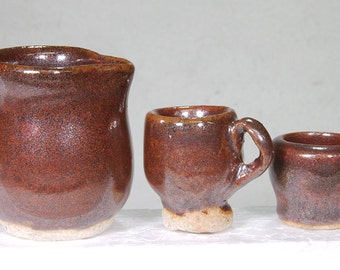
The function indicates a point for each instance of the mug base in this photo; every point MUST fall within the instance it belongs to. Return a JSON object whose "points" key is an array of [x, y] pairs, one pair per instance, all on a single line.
{"points": [[311, 226], [209, 220], [26, 232]]}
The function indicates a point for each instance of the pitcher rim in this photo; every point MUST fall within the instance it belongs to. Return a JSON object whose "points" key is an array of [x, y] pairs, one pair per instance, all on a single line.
{"points": [[99, 61]]}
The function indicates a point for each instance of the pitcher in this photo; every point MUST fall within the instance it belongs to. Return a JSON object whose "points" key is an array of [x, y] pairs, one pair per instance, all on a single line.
{"points": [[65, 155]]}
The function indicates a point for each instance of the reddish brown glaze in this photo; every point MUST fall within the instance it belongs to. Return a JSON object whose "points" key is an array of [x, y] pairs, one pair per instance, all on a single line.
{"points": [[192, 155], [305, 174], [65, 157]]}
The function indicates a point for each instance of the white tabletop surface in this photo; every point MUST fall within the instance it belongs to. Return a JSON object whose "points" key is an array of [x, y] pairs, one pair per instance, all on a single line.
{"points": [[138, 237]]}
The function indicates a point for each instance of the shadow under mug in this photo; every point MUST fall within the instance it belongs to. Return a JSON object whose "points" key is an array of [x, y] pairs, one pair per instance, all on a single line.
{"points": [[305, 175], [193, 160]]}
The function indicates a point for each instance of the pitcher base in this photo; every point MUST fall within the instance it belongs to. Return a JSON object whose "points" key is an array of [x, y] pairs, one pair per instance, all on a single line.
{"points": [[26, 232], [208, 220]]}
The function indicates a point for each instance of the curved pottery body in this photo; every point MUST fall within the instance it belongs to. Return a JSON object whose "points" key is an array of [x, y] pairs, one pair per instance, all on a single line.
{"points": [[65, 157], [305, 175], [193, 160]]}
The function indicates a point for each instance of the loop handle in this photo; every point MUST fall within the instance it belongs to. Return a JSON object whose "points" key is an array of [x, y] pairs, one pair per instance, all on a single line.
{"points": [[261, 138]]}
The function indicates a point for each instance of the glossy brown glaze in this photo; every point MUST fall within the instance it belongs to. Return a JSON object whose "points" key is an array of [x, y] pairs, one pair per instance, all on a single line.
{"points": [[305, 174], [192, 155], [65, 157]]}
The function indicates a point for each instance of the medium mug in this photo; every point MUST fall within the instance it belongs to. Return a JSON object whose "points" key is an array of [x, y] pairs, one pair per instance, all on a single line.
{"points": [[193, 160]]}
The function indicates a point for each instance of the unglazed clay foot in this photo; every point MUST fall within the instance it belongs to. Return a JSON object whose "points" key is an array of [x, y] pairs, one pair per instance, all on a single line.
{"points": [[27, 232], [209, 220]]}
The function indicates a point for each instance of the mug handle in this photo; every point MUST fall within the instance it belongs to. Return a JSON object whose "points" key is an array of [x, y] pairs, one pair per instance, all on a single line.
{"points": [[261, 137]]}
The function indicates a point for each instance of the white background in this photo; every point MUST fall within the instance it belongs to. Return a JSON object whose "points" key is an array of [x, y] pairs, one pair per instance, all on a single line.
{"points": [[276, 61]]}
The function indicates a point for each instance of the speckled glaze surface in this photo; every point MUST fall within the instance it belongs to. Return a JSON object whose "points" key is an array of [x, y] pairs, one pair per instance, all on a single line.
{"points": [[193, 160], [305, 175], [65, 157]]}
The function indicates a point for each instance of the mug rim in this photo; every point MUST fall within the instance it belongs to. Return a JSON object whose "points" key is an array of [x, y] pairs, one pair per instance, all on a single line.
{"points": [[311, 140], [216, 110], [95, 60]]}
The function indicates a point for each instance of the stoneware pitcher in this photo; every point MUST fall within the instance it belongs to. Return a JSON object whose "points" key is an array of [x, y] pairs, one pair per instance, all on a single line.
{"points": [[65, 157]]}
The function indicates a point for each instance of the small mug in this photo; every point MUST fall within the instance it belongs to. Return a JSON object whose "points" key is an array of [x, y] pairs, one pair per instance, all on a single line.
{"points": [[305, 175], [193, 160]]}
